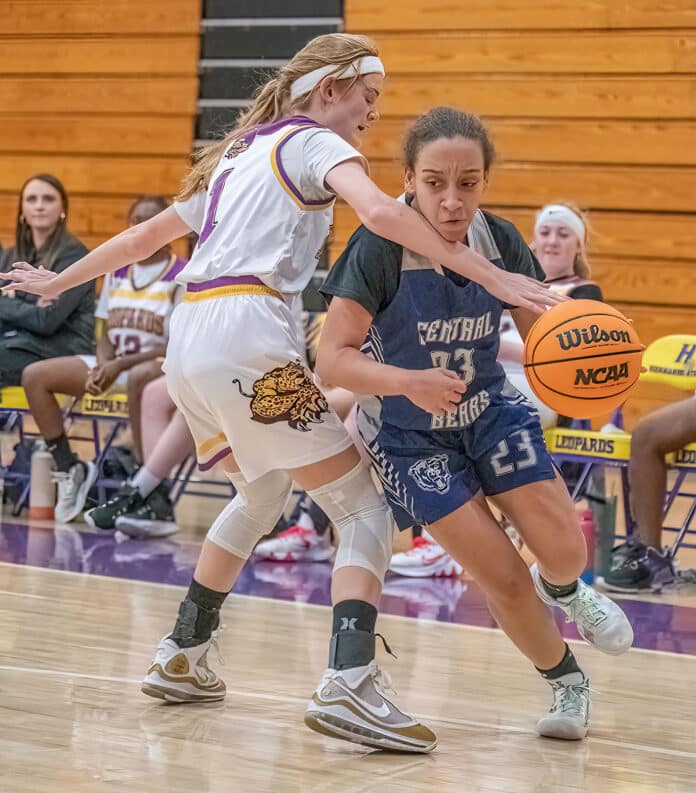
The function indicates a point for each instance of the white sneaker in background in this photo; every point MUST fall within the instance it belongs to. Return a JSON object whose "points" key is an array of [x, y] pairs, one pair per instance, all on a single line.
{"points": [[426, 559], [73, 488], [296, 544]]}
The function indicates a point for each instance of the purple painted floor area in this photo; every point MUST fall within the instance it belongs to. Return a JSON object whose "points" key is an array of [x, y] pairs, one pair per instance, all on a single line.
{"points": [[657, 626]]}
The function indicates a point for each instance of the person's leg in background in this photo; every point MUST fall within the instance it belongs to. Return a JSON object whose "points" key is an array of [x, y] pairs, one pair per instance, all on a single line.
{"points": [[41, 382], [143, 508], [639, 563], [138, 377]]}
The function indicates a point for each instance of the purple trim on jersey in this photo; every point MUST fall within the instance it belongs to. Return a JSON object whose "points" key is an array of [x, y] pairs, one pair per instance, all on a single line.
{"points": [[175, 269], [274, 126], [226, 280], [122, 272], [288, 181], [216, 459]]}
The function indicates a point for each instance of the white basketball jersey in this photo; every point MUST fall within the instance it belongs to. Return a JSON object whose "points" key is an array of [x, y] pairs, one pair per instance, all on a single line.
{"points": [[268, 211], [136, 303]]}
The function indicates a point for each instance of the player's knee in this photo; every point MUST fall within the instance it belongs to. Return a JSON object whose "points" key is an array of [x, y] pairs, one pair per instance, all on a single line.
{"points": [[362, 521], [252, 513], [567, 558]]}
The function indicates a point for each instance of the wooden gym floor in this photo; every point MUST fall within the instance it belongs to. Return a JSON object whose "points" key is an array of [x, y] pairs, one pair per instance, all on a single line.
{"points": [[73, 647]]}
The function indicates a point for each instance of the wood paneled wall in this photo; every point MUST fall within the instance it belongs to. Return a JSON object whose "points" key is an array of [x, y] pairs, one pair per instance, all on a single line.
{"points": [[591, 102], [101, 94]]}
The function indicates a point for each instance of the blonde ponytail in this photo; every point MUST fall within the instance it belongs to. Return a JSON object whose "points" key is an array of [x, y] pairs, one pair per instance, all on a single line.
{"points": [[272, 101]]}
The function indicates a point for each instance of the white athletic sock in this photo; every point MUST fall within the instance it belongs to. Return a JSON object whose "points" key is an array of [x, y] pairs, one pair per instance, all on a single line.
{"points": [[144, 481]]}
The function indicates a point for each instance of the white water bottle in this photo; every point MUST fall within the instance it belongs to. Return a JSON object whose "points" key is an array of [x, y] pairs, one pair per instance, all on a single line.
{"points": [[42, 490]]}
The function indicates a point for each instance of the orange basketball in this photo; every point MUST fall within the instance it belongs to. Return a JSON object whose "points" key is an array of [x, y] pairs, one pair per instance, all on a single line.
{"points": [[582, 358]]}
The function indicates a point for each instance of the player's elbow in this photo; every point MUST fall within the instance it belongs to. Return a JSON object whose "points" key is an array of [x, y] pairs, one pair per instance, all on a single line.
{"points": [[378, 214], [139, 242]]}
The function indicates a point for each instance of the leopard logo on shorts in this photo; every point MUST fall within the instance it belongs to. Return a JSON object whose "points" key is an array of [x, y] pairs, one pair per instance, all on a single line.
{"points": [[286, 393], [432, 474]]}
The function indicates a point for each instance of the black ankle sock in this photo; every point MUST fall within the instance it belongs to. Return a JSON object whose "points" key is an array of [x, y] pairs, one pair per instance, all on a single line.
{"points": [[353, 640], [559, 590], [199, 615], [567, 666], [63, 455]]}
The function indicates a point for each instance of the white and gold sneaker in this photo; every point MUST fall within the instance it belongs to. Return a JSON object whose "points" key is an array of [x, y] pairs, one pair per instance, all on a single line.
{"points": [[182, 674], [352, 704]]}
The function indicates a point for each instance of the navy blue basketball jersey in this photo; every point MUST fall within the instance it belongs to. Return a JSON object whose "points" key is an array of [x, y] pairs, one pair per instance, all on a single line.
{"points": [[433, 317]]}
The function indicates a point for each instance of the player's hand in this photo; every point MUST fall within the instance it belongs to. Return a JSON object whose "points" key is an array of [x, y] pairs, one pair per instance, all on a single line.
{"points": [[436, 391], [27, 278], [522, 292]]}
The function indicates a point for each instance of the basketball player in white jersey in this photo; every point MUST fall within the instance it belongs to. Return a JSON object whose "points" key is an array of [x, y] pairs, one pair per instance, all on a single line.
{"points": [[261, 201], [135, 305]]}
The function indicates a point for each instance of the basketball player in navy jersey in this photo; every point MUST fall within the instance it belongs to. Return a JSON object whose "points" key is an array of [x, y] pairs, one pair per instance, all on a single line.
{"points": [[437, 459]]}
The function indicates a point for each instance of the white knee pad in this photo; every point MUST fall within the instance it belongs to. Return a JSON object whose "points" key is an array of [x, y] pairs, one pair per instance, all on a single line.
{"points": [[362, 520], [253, 512]]}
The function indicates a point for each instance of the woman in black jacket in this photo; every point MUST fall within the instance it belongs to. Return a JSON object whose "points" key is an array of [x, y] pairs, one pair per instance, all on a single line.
{"points": [[30, 329]]}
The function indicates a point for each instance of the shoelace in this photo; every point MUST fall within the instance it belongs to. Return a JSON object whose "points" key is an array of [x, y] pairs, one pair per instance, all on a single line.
{"points": [[421, 542], [570, 699], [584, 605], [215, 644], [382, 680]]}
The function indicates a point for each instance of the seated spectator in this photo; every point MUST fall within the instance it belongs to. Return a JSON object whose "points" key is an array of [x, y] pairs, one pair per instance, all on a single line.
{"points": [[32, 329], [639, 564], [142, 507], [135, 305]]}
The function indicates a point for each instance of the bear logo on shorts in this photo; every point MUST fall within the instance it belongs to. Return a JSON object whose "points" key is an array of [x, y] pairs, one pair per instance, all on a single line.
{"points": [[432, 474], [286, 393]]}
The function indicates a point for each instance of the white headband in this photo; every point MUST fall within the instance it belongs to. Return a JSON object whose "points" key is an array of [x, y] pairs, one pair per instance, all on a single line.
{"points": [[559, 215], [370, 64]]}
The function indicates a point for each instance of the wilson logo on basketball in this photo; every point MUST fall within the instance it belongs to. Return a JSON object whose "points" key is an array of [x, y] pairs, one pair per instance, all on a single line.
{"points": [[601, 375], [575, 337]]}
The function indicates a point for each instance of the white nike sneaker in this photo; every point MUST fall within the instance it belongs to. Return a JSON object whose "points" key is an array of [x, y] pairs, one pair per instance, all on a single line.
{"points": [[569, 717], [352, 704], [296, 544], [426, 559], [73, 488], [182, 674], [599, 620]]}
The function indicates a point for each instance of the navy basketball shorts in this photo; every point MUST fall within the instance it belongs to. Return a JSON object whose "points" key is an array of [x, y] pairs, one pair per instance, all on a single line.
{"points": [[427, 475]]}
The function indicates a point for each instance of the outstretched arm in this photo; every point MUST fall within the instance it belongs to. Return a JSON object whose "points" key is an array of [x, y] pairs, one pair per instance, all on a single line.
{"points": [[396, 221], [132, 245]]}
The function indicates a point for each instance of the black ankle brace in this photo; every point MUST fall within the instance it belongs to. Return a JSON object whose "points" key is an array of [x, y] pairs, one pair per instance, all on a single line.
{"points": [[194, 624], [349, 649]]}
